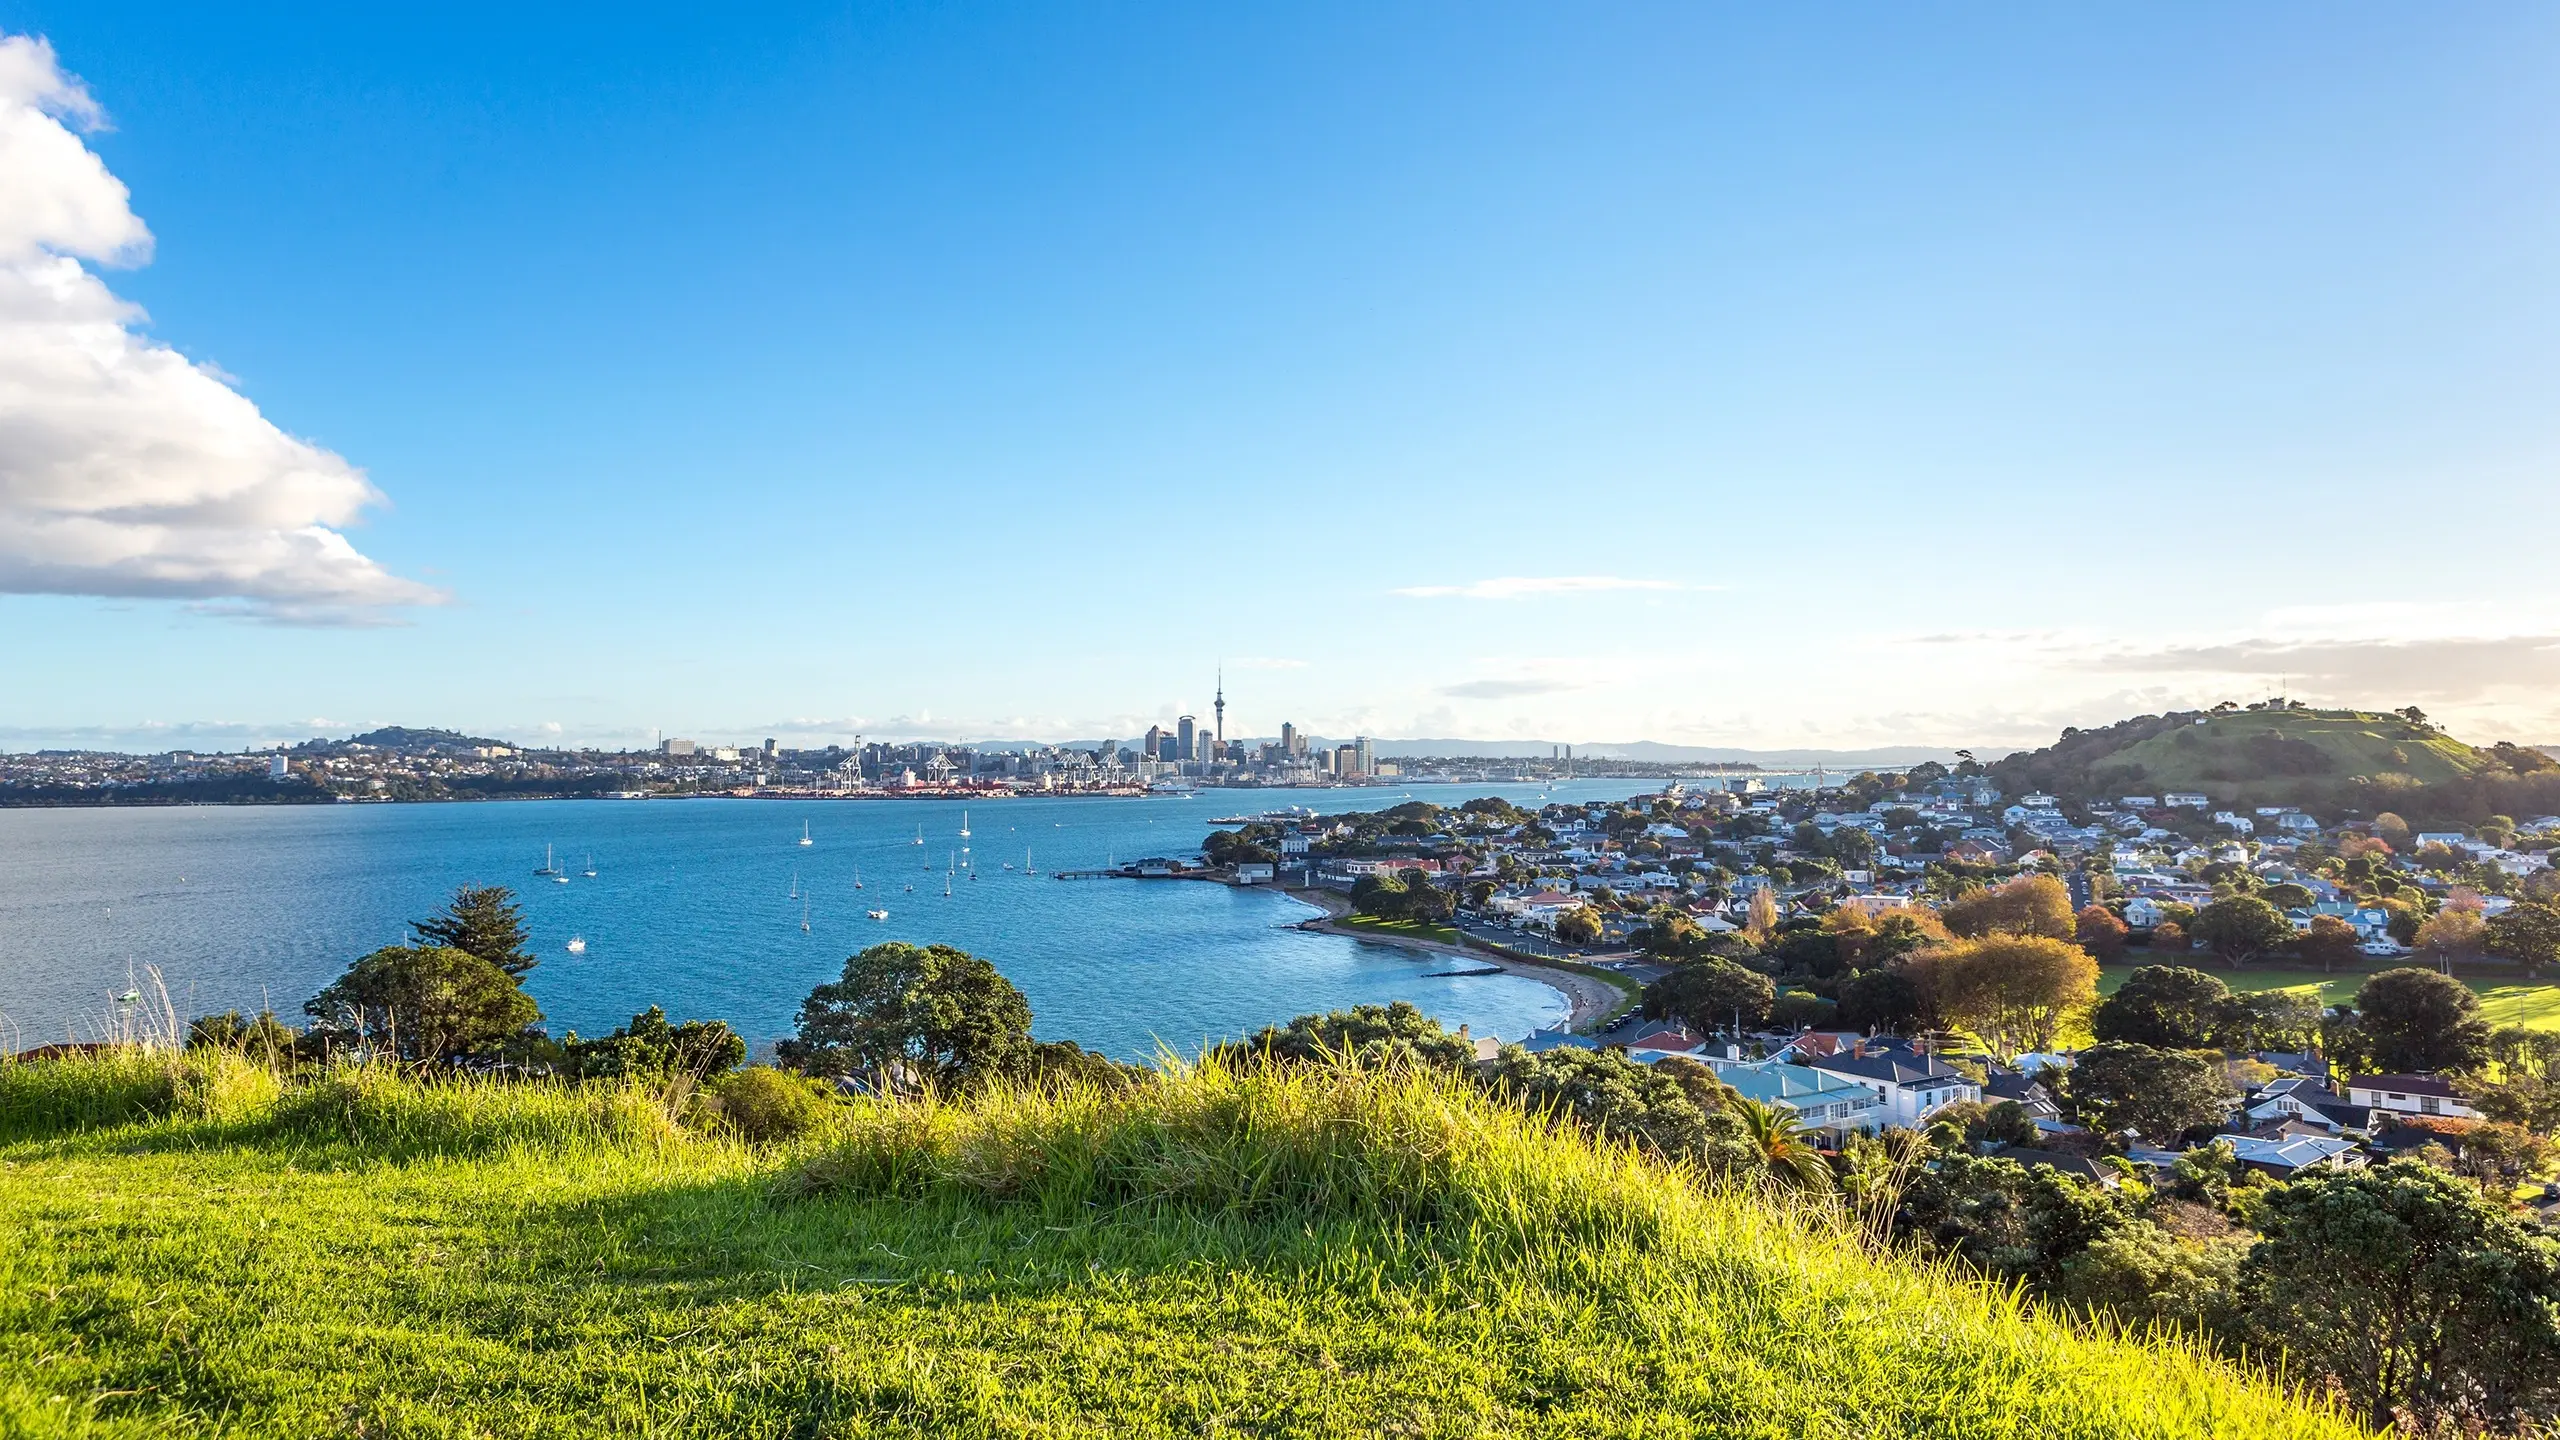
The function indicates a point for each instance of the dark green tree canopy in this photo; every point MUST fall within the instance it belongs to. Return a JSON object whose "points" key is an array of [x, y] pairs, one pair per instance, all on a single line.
{"points": [[1675, 1109], [481, 920], [940, 1015], [2414, 1020], [2417, 1296], [1370, 1036], [426, 1002], [2241, 928], [1711, 995], [650, 1048], [2158, 1094], [2173, 1007]]}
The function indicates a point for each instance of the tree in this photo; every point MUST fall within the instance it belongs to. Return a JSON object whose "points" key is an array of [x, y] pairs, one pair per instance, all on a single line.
{"points": [[1783, 1154], [2156, 1093], [2099, 932], [425, 1002], [1378, 894], [2527, 933], [2006, 1219], [2170, 1007], [2498, 1157], [2421, 1300], [481, 920], [1802, 1010], [2452, 933], [2289, 896], [2329, 943], [2171, 937], [649, 1048], [1879, 1000], [1864, 940], [1761, 916], [2272, 1020], [2012, 990], [930, 1015], [2028, 905], [1368, 1036], [1711, 995], [2240, 928], [1674, 1109], [2414, 1020], [2391, 830], [262, 1037], [1579, 926]]}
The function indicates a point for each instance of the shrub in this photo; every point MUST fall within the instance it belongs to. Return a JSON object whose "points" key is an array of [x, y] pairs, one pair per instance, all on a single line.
{"points": [[761, 1105], [124, 1085]]}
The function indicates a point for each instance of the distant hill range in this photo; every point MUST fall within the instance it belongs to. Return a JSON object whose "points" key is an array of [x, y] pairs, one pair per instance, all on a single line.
{"points": [[2345, 762], [1896, 757], [410, 741]]}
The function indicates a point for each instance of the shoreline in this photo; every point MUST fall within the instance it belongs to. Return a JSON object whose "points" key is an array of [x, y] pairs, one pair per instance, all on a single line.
{"points": [[1588, 998]]}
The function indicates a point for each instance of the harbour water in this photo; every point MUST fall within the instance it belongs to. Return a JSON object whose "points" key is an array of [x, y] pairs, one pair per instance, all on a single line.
{"points": [[692, 907]]}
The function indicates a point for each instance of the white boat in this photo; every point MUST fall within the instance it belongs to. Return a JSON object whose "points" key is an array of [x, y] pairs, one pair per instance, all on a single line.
{"points": [[804, 914], [964, 824], [857, 877], [1027, 867], [804, 834], [877, 914], [795, 884], [591, 867], [577, 945], [548, 868], [919, 834]]}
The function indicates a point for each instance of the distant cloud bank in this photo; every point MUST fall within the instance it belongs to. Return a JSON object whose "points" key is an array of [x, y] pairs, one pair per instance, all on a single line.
{"points": [[125, 470]]}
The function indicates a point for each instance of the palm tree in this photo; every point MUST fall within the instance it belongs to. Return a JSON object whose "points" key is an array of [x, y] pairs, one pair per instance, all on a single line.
{"points": [[1782, 1149]]}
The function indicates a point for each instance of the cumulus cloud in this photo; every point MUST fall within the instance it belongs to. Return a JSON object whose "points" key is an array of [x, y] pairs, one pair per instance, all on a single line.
{"points": [[125, 470], [1521, 587]]}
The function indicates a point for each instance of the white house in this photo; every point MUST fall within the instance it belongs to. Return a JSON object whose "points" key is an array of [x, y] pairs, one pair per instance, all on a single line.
{"points": [[1908, 1089], [2179, 799], [2410, 1095], [2143, 913]]}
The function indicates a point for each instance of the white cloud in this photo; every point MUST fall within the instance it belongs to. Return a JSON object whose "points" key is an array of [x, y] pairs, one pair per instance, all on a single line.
{"points": [[1519, 587], [124, 469]]}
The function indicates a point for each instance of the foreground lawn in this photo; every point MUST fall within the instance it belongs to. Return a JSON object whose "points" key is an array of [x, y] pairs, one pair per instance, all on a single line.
{"points": [[1404, 929], [2502, 1001], [1211, 1255]]}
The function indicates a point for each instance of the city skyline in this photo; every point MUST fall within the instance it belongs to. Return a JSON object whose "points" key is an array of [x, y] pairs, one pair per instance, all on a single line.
{"points": [[1710, 379]]}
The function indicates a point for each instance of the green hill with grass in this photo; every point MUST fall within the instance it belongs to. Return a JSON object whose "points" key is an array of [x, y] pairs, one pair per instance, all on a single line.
{"points": [[198, 1248], [2358, 759]]}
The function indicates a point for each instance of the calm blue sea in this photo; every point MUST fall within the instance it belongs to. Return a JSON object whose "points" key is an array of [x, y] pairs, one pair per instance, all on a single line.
{"points": [[691, 908]]}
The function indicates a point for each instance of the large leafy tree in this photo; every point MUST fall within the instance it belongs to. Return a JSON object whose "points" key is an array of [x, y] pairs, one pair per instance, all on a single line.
{"points": [[2527, 933], [650, 1048], [2158, 1094], [425, 1002], [481, 920], [2272, 1020], [1879, 1000], [2240, 928], [2173, 1007], [1711, 995], [2013, 1221], [1676, 1109], [2099, 932], [2028, 905], [2012, 990], [2329, 943], [2420, 1299], [941, 1015], [2413, 1020]]}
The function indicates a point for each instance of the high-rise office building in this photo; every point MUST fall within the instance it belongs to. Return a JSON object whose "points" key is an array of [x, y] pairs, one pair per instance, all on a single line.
{"points": [[1187, 738], [1368, 762], [1155, 742], [1289, 739]]}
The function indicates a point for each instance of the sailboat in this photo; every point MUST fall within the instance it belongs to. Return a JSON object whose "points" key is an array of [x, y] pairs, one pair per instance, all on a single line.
{"points": [[877, 914], [804, 834], [857, 877], [591, 867], [548, 868], [804, 914], [577, 945], [1027, 867], [795, 883], [964, 826], [919, 834]]}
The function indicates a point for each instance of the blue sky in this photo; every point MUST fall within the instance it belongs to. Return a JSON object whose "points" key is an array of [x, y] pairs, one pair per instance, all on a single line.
{"points": [[1848, 376]]}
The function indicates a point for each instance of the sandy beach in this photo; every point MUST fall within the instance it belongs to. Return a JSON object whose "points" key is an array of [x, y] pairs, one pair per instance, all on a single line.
{"points": [[1592, 999]]}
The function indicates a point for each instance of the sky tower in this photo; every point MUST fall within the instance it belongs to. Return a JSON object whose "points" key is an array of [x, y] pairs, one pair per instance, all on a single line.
{"points": [[1219, 711]]}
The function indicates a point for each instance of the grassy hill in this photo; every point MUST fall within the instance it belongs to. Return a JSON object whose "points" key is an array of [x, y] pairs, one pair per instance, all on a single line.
{"points": [[2262, 757], [1207, 1254]]}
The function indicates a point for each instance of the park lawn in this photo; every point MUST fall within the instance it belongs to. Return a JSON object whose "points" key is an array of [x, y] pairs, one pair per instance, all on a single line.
{"points": [[1403, 929], [1211, 1253], [2503, 1001]]}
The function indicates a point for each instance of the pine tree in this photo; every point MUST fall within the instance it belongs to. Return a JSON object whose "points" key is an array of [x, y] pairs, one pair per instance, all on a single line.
{"points": [[481, 920]]}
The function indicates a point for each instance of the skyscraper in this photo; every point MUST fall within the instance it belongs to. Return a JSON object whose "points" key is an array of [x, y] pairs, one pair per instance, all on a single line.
{"points": [[1155, 742], [1368, 762], [1187, 741], [1288, 738]]}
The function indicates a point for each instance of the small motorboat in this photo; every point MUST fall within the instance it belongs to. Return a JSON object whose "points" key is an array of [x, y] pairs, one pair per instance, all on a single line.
{"points": [[877, 914], [577, 945]]}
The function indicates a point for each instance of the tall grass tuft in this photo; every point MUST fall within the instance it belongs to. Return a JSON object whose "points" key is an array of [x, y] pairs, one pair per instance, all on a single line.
{"points": [[381, 1110], [128, 1084]]}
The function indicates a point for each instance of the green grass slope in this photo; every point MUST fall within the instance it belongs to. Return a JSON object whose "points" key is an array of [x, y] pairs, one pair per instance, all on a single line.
{"points": [[2245, 755], [1209, 1254]]}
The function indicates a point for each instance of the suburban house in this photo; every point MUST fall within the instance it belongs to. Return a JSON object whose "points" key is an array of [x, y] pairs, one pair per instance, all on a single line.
{"points": [[2286, 1158], [2410, 1095], [1910, 1088], [1820, 1102]]}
